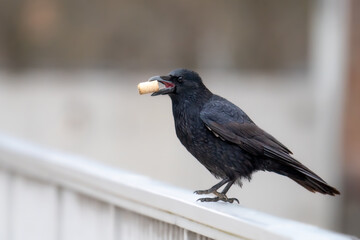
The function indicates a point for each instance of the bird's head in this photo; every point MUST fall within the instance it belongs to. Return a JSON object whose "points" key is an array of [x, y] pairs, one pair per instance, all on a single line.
{"points": [[179, 82]]}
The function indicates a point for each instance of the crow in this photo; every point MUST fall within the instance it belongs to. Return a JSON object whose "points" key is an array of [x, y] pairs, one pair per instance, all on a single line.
{"points": [[225, 140]]}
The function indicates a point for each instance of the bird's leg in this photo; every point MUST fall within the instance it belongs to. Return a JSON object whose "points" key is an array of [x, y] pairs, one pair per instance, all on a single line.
{"points": [[227, 187], [213, 188], [225, 190], [221, 196]]}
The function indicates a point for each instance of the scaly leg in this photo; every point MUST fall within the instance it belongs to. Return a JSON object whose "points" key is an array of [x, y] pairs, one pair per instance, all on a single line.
{"points": [[219, 196], [213, 188], [227, 187], [225, 190]]}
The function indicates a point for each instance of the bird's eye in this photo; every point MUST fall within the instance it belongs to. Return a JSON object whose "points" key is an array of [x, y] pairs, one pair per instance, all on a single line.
{"points": [[179, 79]]}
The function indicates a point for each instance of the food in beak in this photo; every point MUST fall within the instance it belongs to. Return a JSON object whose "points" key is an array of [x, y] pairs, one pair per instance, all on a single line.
{"points": [[148, 87]]}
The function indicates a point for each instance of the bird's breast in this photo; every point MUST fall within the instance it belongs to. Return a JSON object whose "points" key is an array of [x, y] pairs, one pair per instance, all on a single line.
{"points": [[220, 157]]}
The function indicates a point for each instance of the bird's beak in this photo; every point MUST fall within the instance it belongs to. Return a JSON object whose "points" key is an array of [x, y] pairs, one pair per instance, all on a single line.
{"points": [[165, 80]]}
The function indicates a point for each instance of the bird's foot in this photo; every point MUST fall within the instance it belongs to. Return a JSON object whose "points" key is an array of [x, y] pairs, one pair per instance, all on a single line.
{"points": [[220, 197]]}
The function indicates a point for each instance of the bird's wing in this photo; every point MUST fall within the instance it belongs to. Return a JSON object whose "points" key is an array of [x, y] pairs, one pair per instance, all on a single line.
{"points": [[229, 124], [232, 124]]}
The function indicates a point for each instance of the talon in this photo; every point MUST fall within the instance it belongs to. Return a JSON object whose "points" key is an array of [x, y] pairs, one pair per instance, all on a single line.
{"points": [[231, 200]]}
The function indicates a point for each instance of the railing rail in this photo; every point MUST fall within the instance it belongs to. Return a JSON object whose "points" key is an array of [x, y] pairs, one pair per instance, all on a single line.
{"points": [[49, 195]]}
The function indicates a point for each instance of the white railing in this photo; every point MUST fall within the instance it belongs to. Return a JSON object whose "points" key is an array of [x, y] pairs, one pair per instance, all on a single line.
{"points": [[50, 195]]}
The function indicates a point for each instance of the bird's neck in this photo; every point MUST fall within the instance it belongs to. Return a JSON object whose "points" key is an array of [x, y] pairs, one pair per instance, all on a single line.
{"points": [[186, 109], [193, 99]]}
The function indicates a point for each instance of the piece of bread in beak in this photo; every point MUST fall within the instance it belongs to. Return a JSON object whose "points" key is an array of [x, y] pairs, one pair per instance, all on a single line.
{"points": [[148, 87]]}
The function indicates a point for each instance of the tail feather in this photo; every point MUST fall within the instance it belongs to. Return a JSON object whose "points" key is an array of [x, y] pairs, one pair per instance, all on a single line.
{"points": [[284, 164], [315, 186], [311, 184]]}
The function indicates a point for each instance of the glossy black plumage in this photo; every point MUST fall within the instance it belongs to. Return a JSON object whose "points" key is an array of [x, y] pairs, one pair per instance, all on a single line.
{"points": [[225, 140]]}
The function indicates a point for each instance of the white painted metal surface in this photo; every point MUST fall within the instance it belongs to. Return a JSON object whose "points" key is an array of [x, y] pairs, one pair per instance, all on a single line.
{"points": [[52, 195], [4, 204], [33, 209]]}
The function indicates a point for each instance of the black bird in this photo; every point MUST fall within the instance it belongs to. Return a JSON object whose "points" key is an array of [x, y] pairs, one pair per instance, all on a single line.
{"points": [[225, 140]]}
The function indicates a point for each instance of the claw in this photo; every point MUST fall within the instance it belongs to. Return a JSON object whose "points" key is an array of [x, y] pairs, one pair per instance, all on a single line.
{"points": [[231, 200]]}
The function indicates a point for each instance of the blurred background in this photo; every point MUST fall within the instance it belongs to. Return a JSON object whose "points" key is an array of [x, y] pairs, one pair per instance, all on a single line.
{"points": [[69, 70]]}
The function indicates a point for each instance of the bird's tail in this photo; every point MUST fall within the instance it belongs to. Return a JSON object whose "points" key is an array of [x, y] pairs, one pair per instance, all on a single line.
{"points": [[285, 165], [313, 184]]}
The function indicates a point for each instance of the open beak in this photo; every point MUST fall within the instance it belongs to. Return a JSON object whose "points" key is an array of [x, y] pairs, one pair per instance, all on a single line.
{"points": [[165, 80]]}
